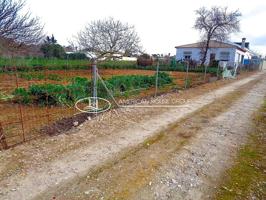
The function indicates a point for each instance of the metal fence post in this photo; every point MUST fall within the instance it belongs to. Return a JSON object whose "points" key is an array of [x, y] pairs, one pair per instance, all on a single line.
{"points": [[186, 80], [20, 111], [94, 87], [156, 81], [46, 97]]}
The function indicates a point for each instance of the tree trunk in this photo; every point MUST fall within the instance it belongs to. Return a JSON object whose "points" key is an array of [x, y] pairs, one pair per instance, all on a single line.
{"points": [[206, 48], [205, 56]]}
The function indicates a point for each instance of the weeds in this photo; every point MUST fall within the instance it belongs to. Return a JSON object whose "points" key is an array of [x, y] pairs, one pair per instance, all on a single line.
{"points": [[247, 178]]}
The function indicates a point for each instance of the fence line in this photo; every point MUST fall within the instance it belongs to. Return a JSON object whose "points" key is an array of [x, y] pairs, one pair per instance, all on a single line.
{"points": [[20, 122]]}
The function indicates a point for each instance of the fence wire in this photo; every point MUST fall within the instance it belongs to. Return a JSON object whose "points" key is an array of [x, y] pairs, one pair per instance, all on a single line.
{"points": [[33, 98]]}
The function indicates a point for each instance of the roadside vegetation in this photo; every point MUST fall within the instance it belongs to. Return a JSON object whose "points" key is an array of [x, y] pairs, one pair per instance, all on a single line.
{"points": [[247, 178]]}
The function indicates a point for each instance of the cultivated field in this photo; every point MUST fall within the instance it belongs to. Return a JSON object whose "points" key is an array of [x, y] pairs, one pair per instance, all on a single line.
{"points": [[21, 122]]}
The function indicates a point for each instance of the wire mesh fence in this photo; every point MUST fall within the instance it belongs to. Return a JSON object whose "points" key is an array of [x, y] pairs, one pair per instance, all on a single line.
{"points": [[35, 96]]}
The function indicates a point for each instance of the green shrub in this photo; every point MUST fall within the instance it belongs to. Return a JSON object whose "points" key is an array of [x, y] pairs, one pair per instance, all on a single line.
{"points": [[53, 50], [76, 56], [48, 94], [164, 78], [79, 88], [22, 95]]}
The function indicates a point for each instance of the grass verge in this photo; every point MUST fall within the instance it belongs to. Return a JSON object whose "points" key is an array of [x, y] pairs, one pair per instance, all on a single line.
{"points": [[247, 178]]}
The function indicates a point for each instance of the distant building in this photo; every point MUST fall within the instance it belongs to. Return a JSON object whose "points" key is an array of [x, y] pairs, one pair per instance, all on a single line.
{"points": [[221, 51]]}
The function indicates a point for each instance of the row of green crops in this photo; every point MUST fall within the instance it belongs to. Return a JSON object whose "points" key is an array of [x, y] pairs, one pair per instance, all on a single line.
{"points": [[56, 94], [40, 76], [181, 68], [39, 64], [36, 64], [118, 64]]}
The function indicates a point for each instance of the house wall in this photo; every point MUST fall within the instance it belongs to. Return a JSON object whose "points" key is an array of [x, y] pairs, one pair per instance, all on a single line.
{"points": [[196, 53]]}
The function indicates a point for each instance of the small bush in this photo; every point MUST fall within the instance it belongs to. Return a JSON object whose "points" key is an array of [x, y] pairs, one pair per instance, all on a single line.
{"points": [[79, 88], [76, 56], [22, 95], [48, 94]]}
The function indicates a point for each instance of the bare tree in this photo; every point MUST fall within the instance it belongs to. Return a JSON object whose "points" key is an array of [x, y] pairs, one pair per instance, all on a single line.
{"points": [[19, 27], [217, 23], [109, 38]]}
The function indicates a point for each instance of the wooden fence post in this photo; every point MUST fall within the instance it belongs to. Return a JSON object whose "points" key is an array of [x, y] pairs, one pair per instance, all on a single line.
{"points": [[3, 138]]}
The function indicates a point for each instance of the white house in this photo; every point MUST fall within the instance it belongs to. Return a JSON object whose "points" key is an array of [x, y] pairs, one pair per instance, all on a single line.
{"points": [[220, 51]]}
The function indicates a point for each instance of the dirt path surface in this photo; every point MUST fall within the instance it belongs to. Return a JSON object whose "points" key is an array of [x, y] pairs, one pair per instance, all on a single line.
{"points": [[194, 171], [101, 146]]}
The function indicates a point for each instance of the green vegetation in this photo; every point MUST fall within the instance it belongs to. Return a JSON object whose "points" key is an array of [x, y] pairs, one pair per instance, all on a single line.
{"points": [[51, 49], [39, 64], [5, 97], [22, 95], [56, 94], [76, 56], [188, 82], [117, 64], [40, 76], [247, 178]]}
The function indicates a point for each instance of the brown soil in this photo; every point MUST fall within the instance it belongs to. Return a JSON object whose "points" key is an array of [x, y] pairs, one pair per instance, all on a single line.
{"points": [[35, 117]]}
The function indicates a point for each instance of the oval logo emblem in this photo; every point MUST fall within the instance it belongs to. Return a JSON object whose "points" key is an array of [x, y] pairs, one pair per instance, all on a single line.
{"points": [[93, 105]]}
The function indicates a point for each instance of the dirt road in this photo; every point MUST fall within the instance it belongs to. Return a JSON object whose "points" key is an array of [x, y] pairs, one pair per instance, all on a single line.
{"points": [[138, 153]]}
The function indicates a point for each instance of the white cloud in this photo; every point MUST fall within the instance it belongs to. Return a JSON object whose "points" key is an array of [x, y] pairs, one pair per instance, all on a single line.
{"points": [[161, 24]]}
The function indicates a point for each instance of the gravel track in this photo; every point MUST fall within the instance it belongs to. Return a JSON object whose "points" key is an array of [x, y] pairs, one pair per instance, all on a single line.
{"points": [[124, 129]]}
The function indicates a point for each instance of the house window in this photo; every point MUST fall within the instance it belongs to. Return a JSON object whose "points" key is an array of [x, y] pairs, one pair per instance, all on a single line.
{"points": [[224, 56], [187, 55]]}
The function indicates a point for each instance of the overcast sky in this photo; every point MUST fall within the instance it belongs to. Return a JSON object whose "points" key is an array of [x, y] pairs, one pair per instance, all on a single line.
{"points": [[161, 24]]}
